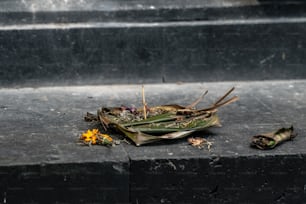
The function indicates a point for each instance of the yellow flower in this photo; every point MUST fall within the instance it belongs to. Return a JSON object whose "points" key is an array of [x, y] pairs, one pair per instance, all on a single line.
{"points": [[95, 137], [90, 137]]}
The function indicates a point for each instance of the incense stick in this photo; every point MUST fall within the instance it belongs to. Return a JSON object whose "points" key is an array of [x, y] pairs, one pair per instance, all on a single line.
{"points": [[144, 103]]}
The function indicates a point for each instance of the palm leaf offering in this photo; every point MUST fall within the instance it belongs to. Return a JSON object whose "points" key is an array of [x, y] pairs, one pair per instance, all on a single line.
{"points": [[272, 139], [150, 124]]}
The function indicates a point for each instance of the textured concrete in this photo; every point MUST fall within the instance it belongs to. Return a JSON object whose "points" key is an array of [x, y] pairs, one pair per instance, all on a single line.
{"points": [[41, 161], [153, 53], [39, 154], [59, 43], [15, 12], [75, 48]]}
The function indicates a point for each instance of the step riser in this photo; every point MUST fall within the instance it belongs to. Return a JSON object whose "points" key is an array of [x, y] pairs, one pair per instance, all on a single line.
{"points": [[219, 180], [152, 53], [66, 183]]}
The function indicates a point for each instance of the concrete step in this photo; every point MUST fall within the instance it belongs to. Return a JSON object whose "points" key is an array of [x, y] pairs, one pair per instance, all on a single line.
{"points": [[14, 12], [41, 162], [121, 53], [61, 44], [61, 59]]}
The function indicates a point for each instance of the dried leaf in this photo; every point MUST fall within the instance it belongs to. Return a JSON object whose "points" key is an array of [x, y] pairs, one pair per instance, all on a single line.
{"points": [[199, 142], [272, 139]]}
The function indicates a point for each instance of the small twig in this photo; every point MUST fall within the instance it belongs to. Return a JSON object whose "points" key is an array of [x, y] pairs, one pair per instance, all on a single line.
{"points": [[197, 101], [144, 103], [223, 97]]}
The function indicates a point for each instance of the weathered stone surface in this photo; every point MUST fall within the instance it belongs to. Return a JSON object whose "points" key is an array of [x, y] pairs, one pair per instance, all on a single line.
{"points": [[116, 42], [41, 161], [66, 46], [154, 54], [40, 158]]}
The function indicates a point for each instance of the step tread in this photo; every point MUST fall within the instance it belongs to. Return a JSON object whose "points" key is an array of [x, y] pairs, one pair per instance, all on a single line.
{"points": [[36, 12], [43, 124]]}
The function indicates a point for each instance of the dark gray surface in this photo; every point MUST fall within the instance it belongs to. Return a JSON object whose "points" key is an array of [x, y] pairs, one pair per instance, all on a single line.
{"points": [[41, 161], [129, 42], [50, 11], [40, 157], [16, 12], [120, 53], [232, 172], [43, 124], [68, 43], [81, 5]]}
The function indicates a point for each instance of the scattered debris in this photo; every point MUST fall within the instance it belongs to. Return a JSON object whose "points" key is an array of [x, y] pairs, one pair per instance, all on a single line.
{"points": [[199, 142], [272, 139], [149, 124]]}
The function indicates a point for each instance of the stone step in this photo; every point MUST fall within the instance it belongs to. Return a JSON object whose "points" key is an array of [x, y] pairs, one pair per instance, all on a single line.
{"points": [[14, 12], [77, 56], [121, 53], [41, 162], [77, 46]]}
